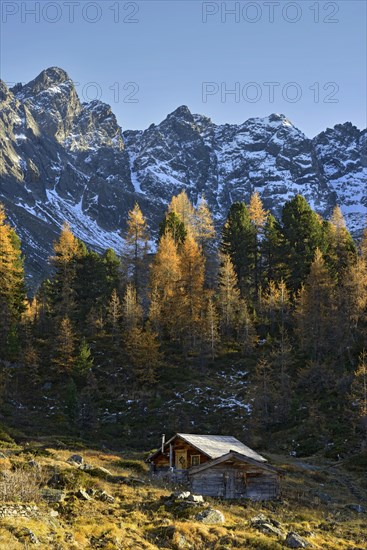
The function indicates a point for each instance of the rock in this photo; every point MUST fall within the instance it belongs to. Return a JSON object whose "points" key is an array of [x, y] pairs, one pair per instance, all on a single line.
{"points": [[34, 464], [53, 495], [324, 497], [25, 535], [133, 481], [181, 495], [195, 498], [75, 459], [2, 455], [357, 508], [210, 516], [83, 495], [267, 526], [105, 497], [54, 513], [296, 541], [97, 471]]}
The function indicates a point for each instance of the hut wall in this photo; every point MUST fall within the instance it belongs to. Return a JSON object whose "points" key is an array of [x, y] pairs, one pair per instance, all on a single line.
{"points": [[234, 481]]}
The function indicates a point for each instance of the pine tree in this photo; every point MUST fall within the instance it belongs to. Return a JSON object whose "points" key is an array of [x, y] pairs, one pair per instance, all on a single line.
{"points": [[363, 246], [84, 360], [303, 234], [258, 217], [174, 226], [237, 242], [136, 246], [272, 251], [315, 311]]}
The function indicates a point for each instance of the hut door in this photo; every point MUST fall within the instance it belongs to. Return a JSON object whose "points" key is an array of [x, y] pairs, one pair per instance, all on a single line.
{"points": [[181, 460], [230, 485]]}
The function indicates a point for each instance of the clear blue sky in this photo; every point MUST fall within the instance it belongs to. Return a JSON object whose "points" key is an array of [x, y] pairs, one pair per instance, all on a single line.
{"points": [[169, 52]]}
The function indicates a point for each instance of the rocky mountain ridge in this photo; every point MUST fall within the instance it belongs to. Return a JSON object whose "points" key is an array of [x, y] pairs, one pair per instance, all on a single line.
{"points": [[66, 160]]}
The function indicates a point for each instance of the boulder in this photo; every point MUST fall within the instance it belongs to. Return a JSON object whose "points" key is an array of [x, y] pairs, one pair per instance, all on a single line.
{"points": [[106, 497], [357, 508], [53, 495], [75, 459], [83, 495], [267, 525], [210, 516], [27, 536], [198, 499], [181, 495], [293, 540]]}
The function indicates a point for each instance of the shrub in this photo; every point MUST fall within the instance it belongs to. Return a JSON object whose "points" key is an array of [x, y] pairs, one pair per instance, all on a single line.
{"points": [[131, 464], [21, 485]]}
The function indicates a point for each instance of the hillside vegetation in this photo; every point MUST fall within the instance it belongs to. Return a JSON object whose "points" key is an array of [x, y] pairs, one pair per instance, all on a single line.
{"points": [[110, 502]]}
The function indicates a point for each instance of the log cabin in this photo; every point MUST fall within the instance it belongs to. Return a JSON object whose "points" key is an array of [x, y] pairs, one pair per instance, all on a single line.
{"points": [[216, 466]]}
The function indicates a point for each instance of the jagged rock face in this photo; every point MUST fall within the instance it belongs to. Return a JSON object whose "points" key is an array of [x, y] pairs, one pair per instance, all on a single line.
{"points": [[66, 160]]}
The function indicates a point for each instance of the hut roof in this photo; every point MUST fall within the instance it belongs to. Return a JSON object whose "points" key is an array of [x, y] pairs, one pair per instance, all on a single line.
{"points": [[214, 446], [232, 456]]}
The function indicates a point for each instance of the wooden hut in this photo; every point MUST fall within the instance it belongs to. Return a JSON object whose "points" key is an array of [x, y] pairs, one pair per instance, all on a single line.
{"points": [[217, 466]]}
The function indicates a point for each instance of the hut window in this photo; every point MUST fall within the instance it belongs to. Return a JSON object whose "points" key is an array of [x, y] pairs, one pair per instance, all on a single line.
{"points": [[195, 460]]}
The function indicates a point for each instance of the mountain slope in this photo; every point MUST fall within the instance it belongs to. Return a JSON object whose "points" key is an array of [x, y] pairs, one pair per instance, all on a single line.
{"points": [[66, 160]]}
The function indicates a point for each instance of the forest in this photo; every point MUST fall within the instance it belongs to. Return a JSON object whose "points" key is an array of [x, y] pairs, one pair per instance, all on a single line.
{"points": [[286, 298]]}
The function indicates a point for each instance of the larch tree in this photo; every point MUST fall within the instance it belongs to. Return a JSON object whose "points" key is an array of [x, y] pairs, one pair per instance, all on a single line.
{"points": [[210, 331], [363, 245], [182, 206], [192, 268], [228, 296], [67, 251], [358, 394], [142, 347], [132, 312], [315, 311], [258, 216], [64, 349], [114, 314], [136, 246], [12, 289], [205, 231], [165, 286], [342, 251]]}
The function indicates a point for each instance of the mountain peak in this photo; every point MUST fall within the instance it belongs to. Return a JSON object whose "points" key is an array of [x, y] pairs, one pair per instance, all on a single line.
{"points": [[53, 76], [181, 112]]}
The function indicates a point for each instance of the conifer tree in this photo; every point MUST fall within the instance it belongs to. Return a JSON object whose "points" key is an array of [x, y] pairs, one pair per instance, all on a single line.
{"points": [[192, 269], [136, 246], [67, 251], [272, 250], [84, 361], [114, 314], [258, 218], [181, 205], [363, 245], [237, 242], [228, 296], [132, 313], [64, 350], [341, 251], [204, 226], [211, 327], [303, 234], [359, 393], [142, 347], [315, 311], [174, 226], [165, 286]]}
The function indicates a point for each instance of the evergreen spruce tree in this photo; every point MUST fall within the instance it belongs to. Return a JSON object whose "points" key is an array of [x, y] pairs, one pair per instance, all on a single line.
{"points": [[303, 234]]}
